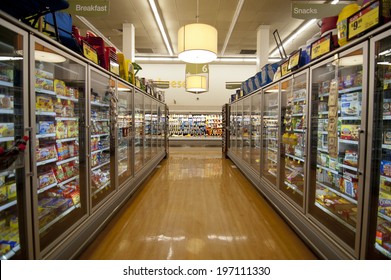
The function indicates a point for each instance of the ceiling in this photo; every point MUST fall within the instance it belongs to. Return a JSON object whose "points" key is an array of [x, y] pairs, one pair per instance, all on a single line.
{"points": [[218, 13]]}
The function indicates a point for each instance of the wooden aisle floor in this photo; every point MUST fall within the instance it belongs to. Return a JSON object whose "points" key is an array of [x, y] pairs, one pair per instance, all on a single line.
{"points": [[197, 206]]}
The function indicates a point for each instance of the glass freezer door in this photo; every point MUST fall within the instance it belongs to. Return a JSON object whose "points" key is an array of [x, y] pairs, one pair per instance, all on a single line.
{"points": [[101, 148], [246, 132], [14, 188], [256, 132], [58, 106], [154, 128], [270, 122], [232, 128], [239, 128], [125, 120], [139, 131], [338, 114], [147, 129], [378, 238], [293, 138]]}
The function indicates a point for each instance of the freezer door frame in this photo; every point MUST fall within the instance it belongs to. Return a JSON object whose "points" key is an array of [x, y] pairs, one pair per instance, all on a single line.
{"points": [[371, 106], [64, 237], [26, 223], [88, 142], [362, 151]]}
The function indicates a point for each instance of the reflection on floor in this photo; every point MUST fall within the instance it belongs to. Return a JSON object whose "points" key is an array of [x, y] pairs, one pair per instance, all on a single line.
{"points": [[197, 206]]}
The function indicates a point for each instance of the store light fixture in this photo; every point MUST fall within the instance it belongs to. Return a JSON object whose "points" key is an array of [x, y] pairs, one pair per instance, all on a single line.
{"points": [[294, 36], [160, 25], [385, 53], [197, 42], [351, 60], [10, 57], [334, 2], [196, 83], [231, 27]]}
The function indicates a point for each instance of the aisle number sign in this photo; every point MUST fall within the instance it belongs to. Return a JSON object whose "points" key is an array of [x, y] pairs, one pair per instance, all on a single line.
{"points": [[364, 20], [321, 46]]}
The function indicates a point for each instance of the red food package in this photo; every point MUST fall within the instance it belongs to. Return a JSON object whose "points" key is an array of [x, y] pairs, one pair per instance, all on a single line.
{"points": [[69, 170]]}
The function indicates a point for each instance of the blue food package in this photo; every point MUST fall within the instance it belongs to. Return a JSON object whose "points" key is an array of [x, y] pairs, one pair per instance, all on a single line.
{"points": [[385, 168], [46, 127]]}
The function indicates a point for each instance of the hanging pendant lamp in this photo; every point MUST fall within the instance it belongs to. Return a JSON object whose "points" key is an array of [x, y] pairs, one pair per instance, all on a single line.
{"points": [[197, 42], [196, 83]]}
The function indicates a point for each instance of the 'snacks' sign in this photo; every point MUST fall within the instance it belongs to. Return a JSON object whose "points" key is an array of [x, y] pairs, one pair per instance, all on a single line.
{"points": [[318, 11]]}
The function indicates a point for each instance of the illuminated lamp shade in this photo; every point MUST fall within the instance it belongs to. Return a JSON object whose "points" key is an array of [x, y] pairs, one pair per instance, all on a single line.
{"points": [[196, 83], [197, 43]]}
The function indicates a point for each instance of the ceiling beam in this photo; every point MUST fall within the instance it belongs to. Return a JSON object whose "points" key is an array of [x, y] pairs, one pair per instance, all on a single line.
{"points": [[232, 26]]}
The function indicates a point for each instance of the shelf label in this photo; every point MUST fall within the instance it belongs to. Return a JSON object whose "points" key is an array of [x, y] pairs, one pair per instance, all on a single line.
{"points": [[294, 60], [321, 46], [284, 68], [364, 20], [90, 53]]}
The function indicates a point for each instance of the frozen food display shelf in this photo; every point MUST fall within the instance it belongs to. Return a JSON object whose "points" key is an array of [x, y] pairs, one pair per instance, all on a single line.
{"points": [[99, 104], [295, 157], [67, 160], [63, 183], [299, 130], [67, 118], [323, 150], [101, 150], [49, 114], [66, 140], [272, 160], [322, 95], [7, 173], [346, 90], [11, 253], [345, 196], [383, 250], [58, 218], [48, 135], [294, 188], [100, 120], [345, 141], [327, 169], [350, 118], [45, 91], [101, 188], [323, 113], [6, 84], [46, 161], [336, 217], [323, 132], [7, 205], [7, 111], [298, 99], [67, 98], [348, 167], [120, 173], [100, 165], [272, 173], [386, 146], [298, 115], [386, 118], [99, 135], [388, 179], [46, 188], [7, 139], [385, 217]]}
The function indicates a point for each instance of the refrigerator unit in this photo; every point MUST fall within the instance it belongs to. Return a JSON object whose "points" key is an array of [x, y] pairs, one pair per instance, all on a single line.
{"points": [[58, 112], [377, 221], [139, 131], [246, 131], [337, 145], [256, 126], [125, 130], [270, 122], [101, 148], [15, 189], [293, 138]]}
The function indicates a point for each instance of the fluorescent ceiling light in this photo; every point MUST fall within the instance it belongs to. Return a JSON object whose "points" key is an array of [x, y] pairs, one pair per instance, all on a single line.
{"points": [[123, 89], [157, 59], [231, 27], [334, 2], [160, 24], [236, 59], [351, 60], [294, 35]]}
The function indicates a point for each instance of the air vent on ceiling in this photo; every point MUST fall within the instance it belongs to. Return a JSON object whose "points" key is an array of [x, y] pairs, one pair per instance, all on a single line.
{"points": [[248, 51], [144, 50]]}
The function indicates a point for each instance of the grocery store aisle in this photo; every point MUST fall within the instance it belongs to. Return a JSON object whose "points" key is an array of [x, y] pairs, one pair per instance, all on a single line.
{"points": [[197, 206]]}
